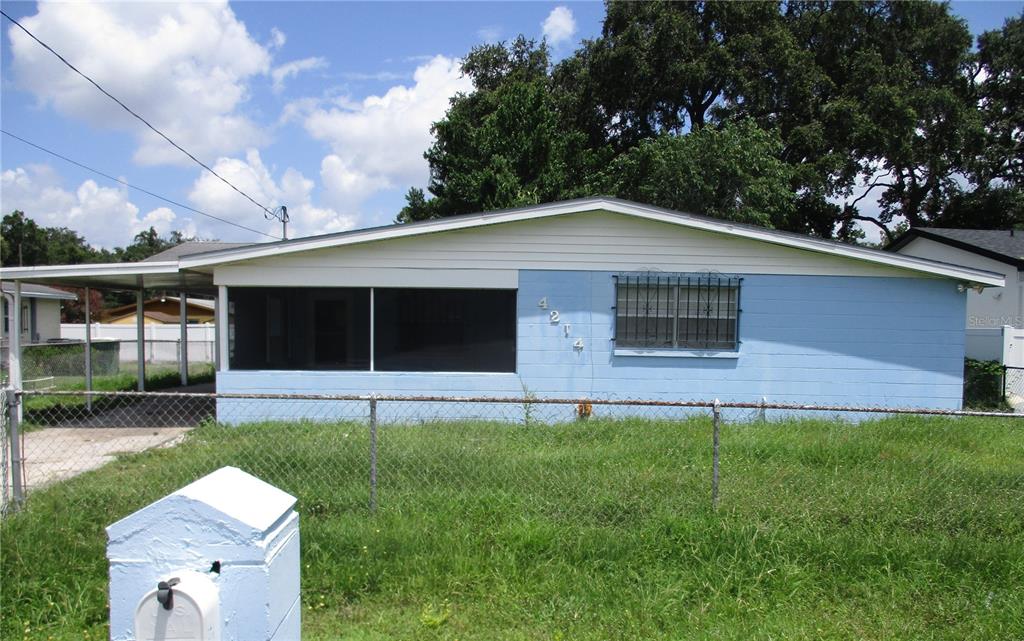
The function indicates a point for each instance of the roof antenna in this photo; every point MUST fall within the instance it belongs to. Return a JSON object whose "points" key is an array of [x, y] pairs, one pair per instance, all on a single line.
{"points": [[280, 213]]}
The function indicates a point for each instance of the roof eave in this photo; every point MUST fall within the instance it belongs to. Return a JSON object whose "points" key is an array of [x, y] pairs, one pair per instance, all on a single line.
{"points": [[913, 234], [973, 276], [90, 269]]}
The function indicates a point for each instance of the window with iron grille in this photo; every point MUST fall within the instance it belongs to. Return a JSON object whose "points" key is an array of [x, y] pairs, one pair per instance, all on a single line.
{"points": [[659, 311]]}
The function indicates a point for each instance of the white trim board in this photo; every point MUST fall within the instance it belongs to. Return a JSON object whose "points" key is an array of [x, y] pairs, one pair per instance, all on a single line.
{"points": [[246, 276]]}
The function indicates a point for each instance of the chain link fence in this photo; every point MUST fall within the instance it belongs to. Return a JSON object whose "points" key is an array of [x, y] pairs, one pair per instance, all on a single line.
{"points": [[573, 458], [416, 499], [1013, 386], [61, 365]]}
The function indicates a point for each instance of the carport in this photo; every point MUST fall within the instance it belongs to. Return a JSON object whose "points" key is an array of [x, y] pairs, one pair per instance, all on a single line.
{"points": [[160, 272]]}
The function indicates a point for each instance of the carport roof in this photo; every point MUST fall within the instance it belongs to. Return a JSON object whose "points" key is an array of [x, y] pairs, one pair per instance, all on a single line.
{"points": [[151, 275]]}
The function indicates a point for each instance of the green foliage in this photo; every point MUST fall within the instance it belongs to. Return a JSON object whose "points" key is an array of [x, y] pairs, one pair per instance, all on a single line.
{"points": [[502, 145], [68, 359], [39, 409], [733, 173], [902, 528], [1000, 88], [25, 243], [983, 385], [876, 99]]}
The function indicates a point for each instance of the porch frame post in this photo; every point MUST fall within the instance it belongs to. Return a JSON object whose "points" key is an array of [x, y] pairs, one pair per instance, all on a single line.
{"points": [[140, 330], [183, 350], [222, 329]]}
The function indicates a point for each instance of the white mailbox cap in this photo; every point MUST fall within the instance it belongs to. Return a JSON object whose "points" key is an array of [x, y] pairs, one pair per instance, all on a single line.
{"points": [[229, 520], [187, 610], [229, 511]]}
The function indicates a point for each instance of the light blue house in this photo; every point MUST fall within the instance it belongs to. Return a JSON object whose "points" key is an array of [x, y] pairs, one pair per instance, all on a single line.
{"points": [[595, 298]]}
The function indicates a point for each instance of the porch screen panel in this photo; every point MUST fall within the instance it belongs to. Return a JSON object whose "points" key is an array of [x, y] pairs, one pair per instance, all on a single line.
{"points": [[314, 328], [445, 330]]}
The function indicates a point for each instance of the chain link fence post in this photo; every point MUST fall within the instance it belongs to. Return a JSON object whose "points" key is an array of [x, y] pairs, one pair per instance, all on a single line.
{"points": [[716, 413], [17, 473], [373, 456], [5, 464]]}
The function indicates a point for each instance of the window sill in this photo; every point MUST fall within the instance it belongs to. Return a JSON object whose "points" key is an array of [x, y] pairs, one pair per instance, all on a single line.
{"points": [[676, 353]]}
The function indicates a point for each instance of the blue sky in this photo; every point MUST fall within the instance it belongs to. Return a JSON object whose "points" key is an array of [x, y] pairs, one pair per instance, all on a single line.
{"points": [[321, 106]]}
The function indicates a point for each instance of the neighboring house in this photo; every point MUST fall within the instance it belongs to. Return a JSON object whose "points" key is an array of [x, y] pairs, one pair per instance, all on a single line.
{"points": [[165, 310], [40, 312], [596, 298], [994, 250]]}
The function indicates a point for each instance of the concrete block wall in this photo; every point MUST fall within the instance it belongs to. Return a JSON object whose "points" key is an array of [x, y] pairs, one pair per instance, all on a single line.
{"points": [[809, 339]]}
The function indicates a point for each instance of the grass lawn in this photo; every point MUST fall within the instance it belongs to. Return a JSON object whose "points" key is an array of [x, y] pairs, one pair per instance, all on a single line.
{"points": [[902, 528], [158, 376]]}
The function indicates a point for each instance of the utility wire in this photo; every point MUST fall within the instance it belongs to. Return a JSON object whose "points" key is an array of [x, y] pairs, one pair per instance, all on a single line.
{"points": [[130, 186], [140, 118]]}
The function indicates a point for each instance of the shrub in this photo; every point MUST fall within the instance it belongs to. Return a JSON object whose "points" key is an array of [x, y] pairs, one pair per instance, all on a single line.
{"points": [[68, 359], [983, 384]]}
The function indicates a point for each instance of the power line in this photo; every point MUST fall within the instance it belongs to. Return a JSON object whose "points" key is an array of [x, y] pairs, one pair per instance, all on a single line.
{"points": [[140, 118], [130, 186]]}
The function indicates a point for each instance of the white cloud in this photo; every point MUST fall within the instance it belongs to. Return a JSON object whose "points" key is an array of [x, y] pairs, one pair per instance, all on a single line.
{"points": [[185, 67], [559, 26], [251, 176], [282, 72], [378, 143], [346, 184], [379, 76], [277, 38], [489, 34], [103, 215]]}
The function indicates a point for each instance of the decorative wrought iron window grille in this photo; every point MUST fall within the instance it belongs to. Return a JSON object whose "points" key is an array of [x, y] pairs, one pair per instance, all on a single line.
{"points": [[677, 311]]}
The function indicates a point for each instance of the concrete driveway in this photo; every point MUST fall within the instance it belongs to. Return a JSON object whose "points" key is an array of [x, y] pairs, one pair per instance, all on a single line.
{"points": [[73, 441], [59, 453]]}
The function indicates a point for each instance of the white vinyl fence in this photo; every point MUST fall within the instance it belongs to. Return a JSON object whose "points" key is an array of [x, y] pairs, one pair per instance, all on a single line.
{"points": [[1013, 347], [162, 341]]}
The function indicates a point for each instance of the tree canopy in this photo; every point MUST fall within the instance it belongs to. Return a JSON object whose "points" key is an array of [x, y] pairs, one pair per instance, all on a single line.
{"points": [[24, 243], [791, 115]]}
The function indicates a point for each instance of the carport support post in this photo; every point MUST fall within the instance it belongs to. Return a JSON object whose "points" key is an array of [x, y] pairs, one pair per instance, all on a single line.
{"points": [[88, 352], [14, 340], [183, 325], [14, 399], [140, 344]]}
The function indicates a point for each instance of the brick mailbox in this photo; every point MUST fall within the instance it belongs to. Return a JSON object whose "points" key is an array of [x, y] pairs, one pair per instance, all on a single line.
{"points": [[218, 560]]}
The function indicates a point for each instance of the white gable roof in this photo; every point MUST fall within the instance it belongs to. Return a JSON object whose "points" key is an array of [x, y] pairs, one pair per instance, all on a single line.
{"points": [[645, 212], [193, 272]]}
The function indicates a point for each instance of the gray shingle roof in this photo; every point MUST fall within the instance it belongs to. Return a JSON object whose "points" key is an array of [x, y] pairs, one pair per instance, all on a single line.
{"points": [[38, 291], [1000, 244], [192, 247]]}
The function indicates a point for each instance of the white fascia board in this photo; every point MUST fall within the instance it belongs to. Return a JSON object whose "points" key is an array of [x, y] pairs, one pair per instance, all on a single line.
{"points": [[599, 204], [43, 272]]}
